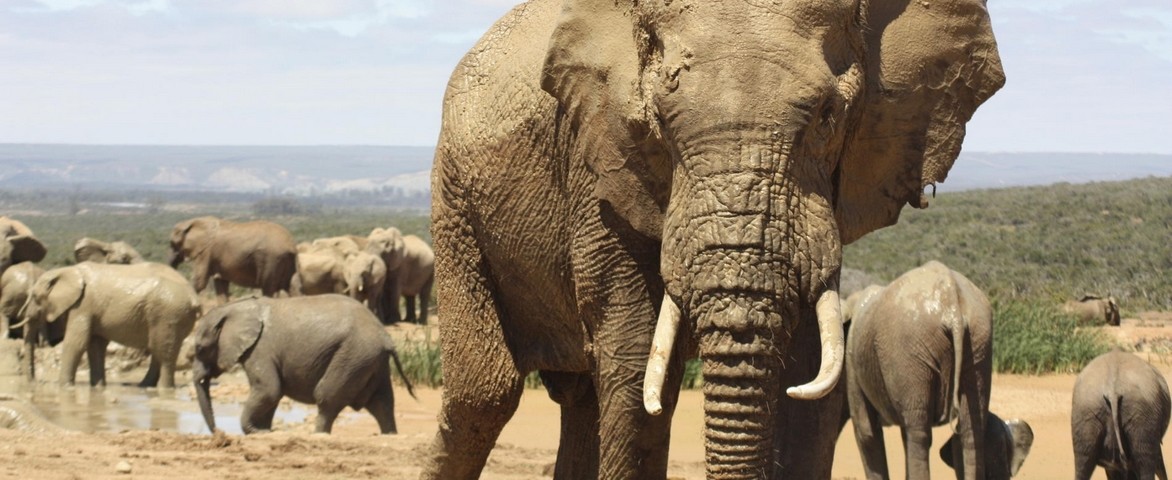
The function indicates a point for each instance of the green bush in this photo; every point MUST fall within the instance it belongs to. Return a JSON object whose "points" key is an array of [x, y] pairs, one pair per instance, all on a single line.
{"points": [[1036, 339]]}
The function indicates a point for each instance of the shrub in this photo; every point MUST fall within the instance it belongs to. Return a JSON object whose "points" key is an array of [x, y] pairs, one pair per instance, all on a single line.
{"points": [[1036, 339]]}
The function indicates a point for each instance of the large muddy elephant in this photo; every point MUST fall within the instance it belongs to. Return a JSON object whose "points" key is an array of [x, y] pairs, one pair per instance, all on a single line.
{"points": [[919, 355], [256, 254], [146, 306], [1119, 414], [703, 162]]}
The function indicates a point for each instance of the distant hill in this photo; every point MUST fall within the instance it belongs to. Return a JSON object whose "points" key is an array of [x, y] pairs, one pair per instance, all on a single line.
{"points": [[313, 170]]}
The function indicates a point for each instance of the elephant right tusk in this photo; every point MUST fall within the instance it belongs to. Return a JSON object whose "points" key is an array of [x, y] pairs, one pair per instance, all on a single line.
{"points": [[830, 331], [661, 345]]}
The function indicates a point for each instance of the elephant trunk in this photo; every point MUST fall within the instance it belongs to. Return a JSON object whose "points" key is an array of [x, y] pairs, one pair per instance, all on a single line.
{"points": [[203, 386], [176, 258]]}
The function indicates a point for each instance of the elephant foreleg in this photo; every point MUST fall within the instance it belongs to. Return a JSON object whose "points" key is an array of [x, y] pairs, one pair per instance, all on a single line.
{"points": [[391, 300], [263, 398], [410, 304], [75, 343], [425, 300], [151, 379], [96, 352], [221, 289]]}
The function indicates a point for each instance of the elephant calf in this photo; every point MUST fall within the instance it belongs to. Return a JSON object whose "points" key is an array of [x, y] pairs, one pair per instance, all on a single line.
{"points": [[328, 350], [1119, 414], [918, 356]]}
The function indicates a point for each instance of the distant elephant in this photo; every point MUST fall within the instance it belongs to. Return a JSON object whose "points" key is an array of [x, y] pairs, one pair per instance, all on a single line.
{"points": [[412, 280], [18, 244], [325, 267], [703, 162], [257, 254], [1092, 309], [919, 355], [15, 284], [327, 350], [90, 250], [1118, 416], [146, 306], [1007, 444]]}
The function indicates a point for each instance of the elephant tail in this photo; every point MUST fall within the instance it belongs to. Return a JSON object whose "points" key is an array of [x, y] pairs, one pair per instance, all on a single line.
{"points": [[1117, 432], [399, 367]]}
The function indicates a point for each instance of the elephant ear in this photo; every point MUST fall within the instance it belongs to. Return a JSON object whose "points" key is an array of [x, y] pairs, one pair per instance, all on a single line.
{"points": [[239, 329], [90, 250], [1023, 440], [63, 288], [928, 66], [26, 248], [593, 69]]}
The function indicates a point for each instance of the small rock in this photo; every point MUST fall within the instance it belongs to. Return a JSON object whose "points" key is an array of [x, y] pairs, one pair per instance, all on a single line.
{"points": [[123, 467]]}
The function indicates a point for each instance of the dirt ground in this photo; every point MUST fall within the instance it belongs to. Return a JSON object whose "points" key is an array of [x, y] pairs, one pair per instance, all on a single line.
{"points": [[525, 450]]}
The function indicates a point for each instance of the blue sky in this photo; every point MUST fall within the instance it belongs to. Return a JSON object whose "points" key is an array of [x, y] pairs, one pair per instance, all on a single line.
{"points": [[1083, 75]]}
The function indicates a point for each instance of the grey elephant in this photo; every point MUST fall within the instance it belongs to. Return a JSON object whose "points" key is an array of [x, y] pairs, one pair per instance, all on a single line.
{"points": [[327, 350], [15, 284], [919, 355], [90, 250], [146, 306], [1118, 416], [698, 162], [1092, 308], [256, 254]]}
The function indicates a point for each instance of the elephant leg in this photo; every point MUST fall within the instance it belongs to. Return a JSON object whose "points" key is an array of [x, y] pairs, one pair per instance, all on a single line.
{"points": [[425, 300], [263, 398], [917, 443], [5, 331], [1120, 474], [151, 379], [346, 377], [1087, 447], [221, 286], [96, 352], [75, 343], [971, 430], [394, 292], [578, 450], [410, 301], [382, 406], [868, 432], [482, 384]]}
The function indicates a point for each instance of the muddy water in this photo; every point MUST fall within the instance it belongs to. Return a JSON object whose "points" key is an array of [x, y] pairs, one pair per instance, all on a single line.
{"points": [[116, 408]]}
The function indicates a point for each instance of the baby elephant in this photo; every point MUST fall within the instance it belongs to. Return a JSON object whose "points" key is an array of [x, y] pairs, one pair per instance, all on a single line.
{"points": [[1119, 414], [918, 356], [328, 350]]}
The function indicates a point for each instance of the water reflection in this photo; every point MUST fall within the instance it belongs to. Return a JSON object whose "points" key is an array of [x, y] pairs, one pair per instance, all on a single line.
{"points": [[115, 408]]}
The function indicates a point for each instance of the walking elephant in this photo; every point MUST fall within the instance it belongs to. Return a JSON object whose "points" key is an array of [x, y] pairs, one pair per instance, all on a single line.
{"points": [[256, 254], [604, 162], [1118, 417], [1094, 309], [146, 306], [326, 350], [15, 284], [919, 355], [91, 250]]}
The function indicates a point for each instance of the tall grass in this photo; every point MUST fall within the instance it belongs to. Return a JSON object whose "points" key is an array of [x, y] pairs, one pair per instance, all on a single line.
{"points": [[421, 360], [1035, 339]]}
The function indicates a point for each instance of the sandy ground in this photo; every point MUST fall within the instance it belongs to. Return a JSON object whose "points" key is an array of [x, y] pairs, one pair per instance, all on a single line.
{"points": [[525, 450]]}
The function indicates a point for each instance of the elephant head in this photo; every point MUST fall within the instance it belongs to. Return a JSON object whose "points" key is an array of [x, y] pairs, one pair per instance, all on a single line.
{"points": [[362, 271], [53, 295], [190, 237], [18, 244], [90, 250], [387, 244], [1007, 443], [753, 141], [222, 338]]}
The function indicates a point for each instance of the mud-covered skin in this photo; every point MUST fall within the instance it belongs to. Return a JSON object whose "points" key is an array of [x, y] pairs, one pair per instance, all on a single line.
{"points": [[256, 254], [1119, 414], [597, 154]]}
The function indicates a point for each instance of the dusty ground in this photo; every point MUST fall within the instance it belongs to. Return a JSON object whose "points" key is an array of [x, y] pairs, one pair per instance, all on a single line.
{"points": [[525, 450]]}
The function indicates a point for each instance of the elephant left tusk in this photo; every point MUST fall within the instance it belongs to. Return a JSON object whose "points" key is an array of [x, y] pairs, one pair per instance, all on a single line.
{"points": [[661, 345], [830, 331]]}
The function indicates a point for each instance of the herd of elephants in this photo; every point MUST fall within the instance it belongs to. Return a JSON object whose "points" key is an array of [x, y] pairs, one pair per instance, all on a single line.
{"points": [[623, 185]]}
